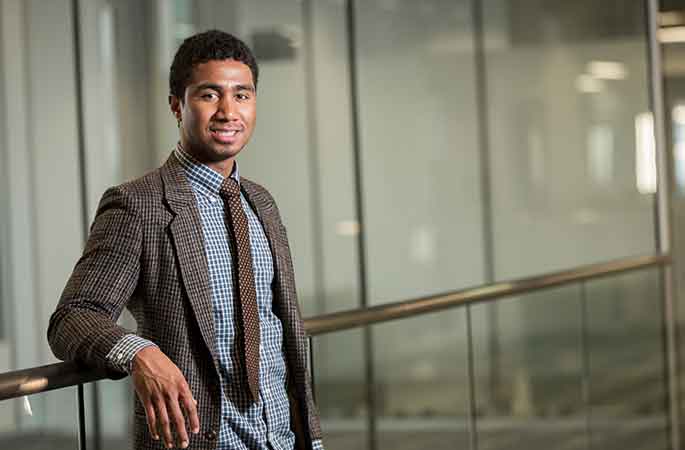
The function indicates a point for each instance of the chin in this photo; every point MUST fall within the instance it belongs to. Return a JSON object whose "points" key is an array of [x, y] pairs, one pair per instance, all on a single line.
{"points": [[224, 154]]}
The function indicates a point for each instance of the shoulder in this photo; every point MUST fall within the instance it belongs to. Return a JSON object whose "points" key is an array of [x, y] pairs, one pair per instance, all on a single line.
{"points": [[134, 195], [256, 191], [261, 199]]}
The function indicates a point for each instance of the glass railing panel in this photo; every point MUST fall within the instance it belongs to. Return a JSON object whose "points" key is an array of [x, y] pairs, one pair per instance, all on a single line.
{"points": [[421, 387], [115, 401], [341, 389], [528, 366], [42, 421], [626, 365]]}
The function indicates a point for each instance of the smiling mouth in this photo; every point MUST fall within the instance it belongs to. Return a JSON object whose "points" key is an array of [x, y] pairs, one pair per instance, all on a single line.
{"points": [[225, 136], [225, 133]]}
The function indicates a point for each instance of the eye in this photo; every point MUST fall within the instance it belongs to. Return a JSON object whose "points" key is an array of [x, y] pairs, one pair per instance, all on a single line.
{"points": [[209, 96], [242, 96]]}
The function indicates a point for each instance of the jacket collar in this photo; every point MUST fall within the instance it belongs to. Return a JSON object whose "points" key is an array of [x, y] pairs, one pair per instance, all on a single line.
{"points": [[178, 193]]}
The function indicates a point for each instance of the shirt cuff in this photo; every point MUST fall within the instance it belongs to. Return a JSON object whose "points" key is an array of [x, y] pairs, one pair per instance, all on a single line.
{"points": [[317, 445], [122, 354]]}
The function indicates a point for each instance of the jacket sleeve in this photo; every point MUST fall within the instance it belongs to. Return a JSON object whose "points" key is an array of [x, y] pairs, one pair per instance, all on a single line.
{"points": [[83, 326]]}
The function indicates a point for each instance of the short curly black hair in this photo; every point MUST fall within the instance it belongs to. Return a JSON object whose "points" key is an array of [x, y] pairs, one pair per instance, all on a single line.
{"points": [[210, 45]]}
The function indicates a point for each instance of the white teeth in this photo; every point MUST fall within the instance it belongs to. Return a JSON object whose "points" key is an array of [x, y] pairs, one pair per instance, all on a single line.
{"points": [[226, 132]]}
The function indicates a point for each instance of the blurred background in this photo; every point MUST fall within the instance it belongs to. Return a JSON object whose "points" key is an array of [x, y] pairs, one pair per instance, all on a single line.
{"points": [[414, 148]]}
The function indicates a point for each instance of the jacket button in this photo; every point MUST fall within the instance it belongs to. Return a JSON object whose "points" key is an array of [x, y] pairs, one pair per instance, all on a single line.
{"points": [[210, 435]]}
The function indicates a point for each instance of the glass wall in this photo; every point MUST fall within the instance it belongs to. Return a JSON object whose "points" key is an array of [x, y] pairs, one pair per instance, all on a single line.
{"points": [[414, 148], [572, 180], [46, 420], [581, 366]]}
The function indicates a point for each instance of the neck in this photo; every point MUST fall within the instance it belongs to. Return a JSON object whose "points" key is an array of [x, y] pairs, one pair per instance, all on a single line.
{"points": [[224, 167]]}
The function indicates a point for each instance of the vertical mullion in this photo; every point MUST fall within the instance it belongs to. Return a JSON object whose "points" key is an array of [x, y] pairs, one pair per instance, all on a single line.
{"points": [[314, 161], [80, 120], [318, 271], [664, 222], [361, 236], [494, 350], [487, 221]]}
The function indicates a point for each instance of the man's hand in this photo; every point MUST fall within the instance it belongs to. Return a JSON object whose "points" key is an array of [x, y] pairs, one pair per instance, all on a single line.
{"points": [[163, 390]]}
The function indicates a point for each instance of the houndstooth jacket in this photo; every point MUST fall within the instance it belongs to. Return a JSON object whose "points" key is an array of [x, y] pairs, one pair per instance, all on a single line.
{"points": [[146, 252]]}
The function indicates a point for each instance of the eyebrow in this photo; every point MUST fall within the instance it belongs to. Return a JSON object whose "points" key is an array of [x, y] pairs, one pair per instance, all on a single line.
{"points": [[219, 88]]}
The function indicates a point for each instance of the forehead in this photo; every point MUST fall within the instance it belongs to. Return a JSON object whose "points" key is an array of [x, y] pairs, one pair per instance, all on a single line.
{"points": [[223, 72]]}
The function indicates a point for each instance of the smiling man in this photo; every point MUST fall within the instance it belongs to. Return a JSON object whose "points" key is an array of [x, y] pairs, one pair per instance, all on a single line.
{"points": [[200, 257]]}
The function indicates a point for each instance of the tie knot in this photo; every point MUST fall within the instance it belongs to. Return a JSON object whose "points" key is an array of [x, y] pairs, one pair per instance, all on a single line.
{"points": [[229, 188]]}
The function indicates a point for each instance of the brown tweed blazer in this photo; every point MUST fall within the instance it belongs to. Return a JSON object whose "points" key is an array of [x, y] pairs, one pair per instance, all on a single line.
{"points": [[146, 252]]}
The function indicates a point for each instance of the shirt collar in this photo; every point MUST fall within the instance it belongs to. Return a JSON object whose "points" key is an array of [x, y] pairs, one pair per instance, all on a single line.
{"points": [[200, 176]]}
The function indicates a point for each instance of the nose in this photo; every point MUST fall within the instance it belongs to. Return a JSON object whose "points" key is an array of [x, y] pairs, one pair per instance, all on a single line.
{"points": [[227, 108]]}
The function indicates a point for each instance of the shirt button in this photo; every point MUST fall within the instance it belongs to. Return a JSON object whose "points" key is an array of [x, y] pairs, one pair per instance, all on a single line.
{"points": [[210, 435]]}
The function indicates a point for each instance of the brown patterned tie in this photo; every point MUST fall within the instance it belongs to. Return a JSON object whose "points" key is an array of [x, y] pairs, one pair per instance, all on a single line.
{"points": [[236, 222]]}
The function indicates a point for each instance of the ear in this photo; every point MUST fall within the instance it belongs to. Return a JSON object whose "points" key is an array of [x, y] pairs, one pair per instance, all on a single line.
{"points": [[175, 105]]}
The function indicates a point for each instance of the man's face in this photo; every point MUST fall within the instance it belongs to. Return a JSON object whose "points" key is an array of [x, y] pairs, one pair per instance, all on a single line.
{"points": [[218, 112]]}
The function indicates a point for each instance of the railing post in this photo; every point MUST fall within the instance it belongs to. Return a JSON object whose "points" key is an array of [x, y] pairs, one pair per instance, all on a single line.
{"points": [[82, 445]]}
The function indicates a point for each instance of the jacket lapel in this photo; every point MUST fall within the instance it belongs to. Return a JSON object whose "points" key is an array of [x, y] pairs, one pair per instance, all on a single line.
{"points": [[260, 208], [185, 227], [285, 301]]}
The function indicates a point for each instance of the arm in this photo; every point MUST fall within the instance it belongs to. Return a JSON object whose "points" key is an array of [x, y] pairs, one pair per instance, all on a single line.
{"points": [[83, 327]]}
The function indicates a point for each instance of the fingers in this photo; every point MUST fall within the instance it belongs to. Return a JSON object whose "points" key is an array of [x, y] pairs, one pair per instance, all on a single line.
{"points": [[163, 391], [151, 420], [166, 415], [190, 406], [164, 423], [178, 421]]}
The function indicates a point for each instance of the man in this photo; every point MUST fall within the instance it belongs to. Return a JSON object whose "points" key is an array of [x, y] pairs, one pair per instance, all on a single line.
{"points": [[200, 257]]}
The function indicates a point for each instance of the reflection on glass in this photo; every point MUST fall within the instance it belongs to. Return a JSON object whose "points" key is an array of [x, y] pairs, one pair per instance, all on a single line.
{"points": [[645, 153], [678, 137], [528, 371], [626, 362], [565, 82], [47, 420], [601, 155]]}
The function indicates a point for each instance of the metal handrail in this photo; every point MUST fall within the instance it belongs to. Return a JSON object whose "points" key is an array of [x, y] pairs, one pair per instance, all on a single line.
{"points": [[345, 320], [46, 378], [55, 376]]}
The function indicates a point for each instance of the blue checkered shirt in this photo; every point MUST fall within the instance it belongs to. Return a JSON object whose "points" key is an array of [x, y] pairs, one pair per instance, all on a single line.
{"points": [[246, 424]]}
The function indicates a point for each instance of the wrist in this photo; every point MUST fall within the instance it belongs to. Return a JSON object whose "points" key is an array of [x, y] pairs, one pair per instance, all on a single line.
{"points": [[141, 356]]}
